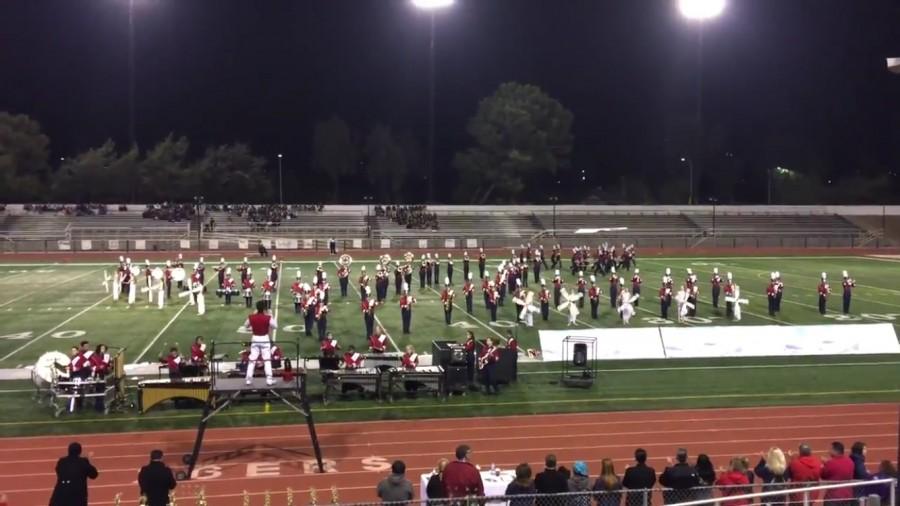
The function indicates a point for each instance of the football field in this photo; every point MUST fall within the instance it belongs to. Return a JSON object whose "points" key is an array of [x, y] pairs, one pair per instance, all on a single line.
{"points": [[50, 307]]}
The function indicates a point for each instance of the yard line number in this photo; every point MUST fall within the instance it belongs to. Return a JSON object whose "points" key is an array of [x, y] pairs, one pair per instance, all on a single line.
{"points": [[62, 334]]}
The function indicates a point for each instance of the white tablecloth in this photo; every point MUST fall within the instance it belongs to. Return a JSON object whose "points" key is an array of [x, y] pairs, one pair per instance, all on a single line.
{"points": [[493, 485]]}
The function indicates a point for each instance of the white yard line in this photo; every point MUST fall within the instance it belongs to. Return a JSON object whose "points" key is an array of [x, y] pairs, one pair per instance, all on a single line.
{"points": [[55, 285], [391, 339], [168, 324], [45, 334]]}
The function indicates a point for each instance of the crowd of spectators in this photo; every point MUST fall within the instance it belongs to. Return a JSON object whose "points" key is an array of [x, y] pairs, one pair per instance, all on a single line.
{"points": [[168, 211], [66, 209], [680, 481], [411, 217]]}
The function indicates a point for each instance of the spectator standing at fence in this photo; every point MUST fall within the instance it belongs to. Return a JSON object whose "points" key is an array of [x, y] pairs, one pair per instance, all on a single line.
{"points": [[396, 487], [461, 477], [772, 471], [522, 485], [580, 484], [550, 480], [72, 473], [639, 478], [886, 471], [838, 468], [731, 482], [156, 480], [608, 487], [679, 478], [435, 487], [706, 475], [805, 470], [858, 456]]}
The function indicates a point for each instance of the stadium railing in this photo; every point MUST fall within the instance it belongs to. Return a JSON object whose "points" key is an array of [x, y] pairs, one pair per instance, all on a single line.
{"points": [[862, 493]]}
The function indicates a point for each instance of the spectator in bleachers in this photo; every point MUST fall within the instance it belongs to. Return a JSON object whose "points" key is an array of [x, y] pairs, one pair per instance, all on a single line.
{"points": [[858, 456], [838, 468], [706, 473], [461, 477], [412, 217], [396, 488], [772, 471], [550, 480], [522, 485], [435, 487], [679, 478], [638, 477], [731, 481], [886, 470], [580, 482], [168, 211], [608, 486], [805, 470]]}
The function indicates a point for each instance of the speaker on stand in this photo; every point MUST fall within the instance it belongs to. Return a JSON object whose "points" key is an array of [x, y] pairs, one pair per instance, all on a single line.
{"points": [[579, 367]]}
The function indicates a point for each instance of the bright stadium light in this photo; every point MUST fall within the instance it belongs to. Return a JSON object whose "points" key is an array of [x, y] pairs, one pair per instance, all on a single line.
{"points": [[893, 65], [432, 4], [701, 9]]}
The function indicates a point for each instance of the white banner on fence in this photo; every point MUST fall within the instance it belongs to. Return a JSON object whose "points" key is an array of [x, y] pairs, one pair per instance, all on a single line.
{"points": [[471, 243], [140, 244], [286, 243], [266, 243], [64, 245], [185, 244], [423, 243], [212, 244], [357, 243], [733, 341], [86, 244], [307, 244], [450, 243], [385, 243], [243, 244], [112, 244]]}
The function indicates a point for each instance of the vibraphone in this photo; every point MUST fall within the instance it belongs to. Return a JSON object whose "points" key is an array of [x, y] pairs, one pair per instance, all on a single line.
{"points": [[382, 360], [427, 378], [368, 379], [66, 393], [153, 392]]}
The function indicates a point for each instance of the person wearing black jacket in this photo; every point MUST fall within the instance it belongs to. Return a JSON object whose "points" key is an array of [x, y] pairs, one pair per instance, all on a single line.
{"points": [[550, 481], [679, 478], [156, 480], [435, 487], [639, 477], [72, 474]]}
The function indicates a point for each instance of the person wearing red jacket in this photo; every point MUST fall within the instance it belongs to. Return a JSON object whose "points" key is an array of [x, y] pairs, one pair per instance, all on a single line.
{"points": [[731, 481], [805, 470], [838, 468], [461, 477]]}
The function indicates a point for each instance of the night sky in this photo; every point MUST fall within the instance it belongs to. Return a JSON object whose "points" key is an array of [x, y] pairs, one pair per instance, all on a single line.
{"points": [[807, 76]]}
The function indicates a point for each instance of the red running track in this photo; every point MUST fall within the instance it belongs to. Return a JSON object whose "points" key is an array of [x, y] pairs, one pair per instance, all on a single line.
{"points": [[358, 454]]}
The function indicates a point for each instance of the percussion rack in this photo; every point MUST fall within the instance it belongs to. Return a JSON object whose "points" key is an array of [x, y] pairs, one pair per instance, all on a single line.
{"points": [[225, 390]]}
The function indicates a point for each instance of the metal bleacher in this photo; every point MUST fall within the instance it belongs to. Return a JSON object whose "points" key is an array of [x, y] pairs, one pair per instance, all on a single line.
{"points": [[635, 225], [314, 225], [471, 226], [774, 224]]}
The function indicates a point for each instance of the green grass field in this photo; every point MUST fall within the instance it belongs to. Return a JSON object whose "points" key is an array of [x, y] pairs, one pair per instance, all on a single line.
{"points": [[51, 307]]}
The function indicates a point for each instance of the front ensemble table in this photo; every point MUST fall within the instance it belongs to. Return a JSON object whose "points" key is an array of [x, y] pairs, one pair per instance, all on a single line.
{"points": [[493, 485]]}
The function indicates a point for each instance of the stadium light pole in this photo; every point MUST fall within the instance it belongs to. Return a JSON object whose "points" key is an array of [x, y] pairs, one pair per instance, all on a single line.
{"points": [[554, 199], [131, 135], [690, 164], [699, 11], [280, 189], [368, 200], [431, 6]]}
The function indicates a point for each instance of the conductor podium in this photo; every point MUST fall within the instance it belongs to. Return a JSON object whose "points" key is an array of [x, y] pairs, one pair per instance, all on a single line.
{"points": [[289, 387]]}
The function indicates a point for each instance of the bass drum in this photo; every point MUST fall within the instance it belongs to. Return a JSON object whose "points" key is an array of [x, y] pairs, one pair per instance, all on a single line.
{"points": [[50, 365], [178, 274]]}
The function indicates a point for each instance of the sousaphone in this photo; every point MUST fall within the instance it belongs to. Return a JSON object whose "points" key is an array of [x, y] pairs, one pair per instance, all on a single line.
{"points": [[178, 274], [409, 257], [385, 261], [345, 260]]}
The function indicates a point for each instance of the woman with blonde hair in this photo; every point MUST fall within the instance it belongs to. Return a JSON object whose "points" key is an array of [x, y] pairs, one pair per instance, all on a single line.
{"points": [[435, 487], [608, 487], [773, 471]]}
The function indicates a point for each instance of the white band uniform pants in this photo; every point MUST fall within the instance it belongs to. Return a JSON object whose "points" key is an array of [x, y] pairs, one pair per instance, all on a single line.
{"points": [[260, 346]]}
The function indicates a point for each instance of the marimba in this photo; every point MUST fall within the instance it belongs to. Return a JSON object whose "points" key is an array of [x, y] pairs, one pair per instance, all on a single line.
{"points": [[428, 378], [368, 379], [153, 392]]}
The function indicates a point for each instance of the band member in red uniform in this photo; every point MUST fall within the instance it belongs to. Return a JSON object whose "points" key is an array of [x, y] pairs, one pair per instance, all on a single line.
{"points": [[779, 291], [343, 274], [716, 283], [198, 353], [485, 290], [665, 299], [367, 306], [544, 297], [101, 364], [244, 269], [260, 325], [406, 304], [466, 265], [613, 288], [398, 278], [363, 282], [410, 359], [352, 359], [174, 362], [771, 293], [247, 287], [469, 347], [848, 285], [824, 290], [482, 260], [581, 288], [329, 346], [729, 293], [322, 316], [594, 296], [493, 299], [693, 295], [487, 362], [298, 293], [557, 288], [220, 271], [636, 282], [309, 310], [267, 288], [447, 296], [273, 271], [468, 290], [378, 341]]}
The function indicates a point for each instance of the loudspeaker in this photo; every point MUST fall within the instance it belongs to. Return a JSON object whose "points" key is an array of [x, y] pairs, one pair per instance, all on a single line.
{"points": [[579, 355], [455, 379]]}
